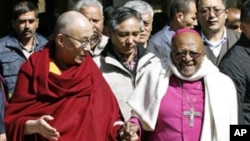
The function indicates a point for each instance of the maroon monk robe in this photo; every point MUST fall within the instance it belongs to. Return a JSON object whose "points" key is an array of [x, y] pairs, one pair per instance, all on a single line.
{"points": [[81, 102]]}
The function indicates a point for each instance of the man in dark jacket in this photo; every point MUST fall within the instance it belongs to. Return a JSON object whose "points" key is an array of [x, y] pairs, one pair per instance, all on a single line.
{"points": [[236, 65], [16, 47]]}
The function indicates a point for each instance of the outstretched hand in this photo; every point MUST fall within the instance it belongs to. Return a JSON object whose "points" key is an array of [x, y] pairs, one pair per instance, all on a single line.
{"points": [[129, 132], [42, 127]]}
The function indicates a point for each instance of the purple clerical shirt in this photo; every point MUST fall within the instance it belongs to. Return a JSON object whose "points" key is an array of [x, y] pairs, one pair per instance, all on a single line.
{"points": [[172, 124]]}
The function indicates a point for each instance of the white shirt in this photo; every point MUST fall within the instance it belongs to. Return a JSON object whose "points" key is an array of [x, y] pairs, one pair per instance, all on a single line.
{"points": [[215, 46]]}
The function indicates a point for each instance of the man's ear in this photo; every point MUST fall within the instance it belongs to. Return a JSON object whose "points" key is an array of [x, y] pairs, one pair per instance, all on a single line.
{"points": [[59, 40], [179, 16], [242, 26], [226, 12]]}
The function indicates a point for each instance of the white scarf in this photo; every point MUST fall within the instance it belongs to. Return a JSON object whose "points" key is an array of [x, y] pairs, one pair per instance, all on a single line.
{"points": [[220, 98], [153, 86], [206, 68]]}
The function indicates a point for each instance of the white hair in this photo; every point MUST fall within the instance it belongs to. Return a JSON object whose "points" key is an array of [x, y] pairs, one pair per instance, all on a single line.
{"points": [[140, 6], [83, 3]]}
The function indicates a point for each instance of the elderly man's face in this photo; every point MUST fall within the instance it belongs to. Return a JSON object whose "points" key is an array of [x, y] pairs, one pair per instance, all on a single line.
{"points": [[77, 43], [94, 14], [187, 53], [126, 38], [147, 28], [212, 15]]}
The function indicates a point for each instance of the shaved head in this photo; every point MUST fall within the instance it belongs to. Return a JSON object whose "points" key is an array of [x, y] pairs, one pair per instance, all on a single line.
{"points": [[233, 19], [72, 32], [72, 20]]}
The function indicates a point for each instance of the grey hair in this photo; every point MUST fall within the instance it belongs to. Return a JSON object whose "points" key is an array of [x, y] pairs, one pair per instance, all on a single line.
{"points": [[23, 7], [121, 14], [140, 6], [83, 3]]}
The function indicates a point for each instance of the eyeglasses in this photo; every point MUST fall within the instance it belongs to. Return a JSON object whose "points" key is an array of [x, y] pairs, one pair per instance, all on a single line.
{"points": [[216, 11], [183, 54], [92, 41]]}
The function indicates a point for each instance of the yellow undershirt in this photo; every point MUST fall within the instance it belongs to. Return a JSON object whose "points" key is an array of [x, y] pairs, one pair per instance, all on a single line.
{"points": [[53, 68]]}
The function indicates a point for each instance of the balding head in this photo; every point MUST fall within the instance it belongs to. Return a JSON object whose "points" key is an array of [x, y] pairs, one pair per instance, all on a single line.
{"points": [[233, 19], [187, 51], [187, 36], [73, 38], [70, 21]]}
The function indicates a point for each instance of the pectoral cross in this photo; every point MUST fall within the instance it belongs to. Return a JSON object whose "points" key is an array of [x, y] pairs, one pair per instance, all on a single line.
{"points": [[191, 113]]}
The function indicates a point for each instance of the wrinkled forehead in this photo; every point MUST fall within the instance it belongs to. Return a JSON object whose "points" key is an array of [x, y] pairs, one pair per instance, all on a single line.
{"points": [[187, 41], [26, 15], [91, 10]]}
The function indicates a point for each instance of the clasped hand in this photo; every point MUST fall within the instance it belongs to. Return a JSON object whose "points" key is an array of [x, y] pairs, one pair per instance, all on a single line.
{"points": [[129, 132]]}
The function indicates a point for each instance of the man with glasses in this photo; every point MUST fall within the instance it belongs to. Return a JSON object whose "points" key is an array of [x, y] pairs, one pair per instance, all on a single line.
{"points": [[60, 93], [184, 97], [212, 15], [84, 43], [16, 47]]}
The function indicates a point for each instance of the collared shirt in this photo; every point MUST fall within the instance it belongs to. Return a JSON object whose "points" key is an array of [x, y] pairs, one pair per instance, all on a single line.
{"points": [[28, 52], [130, 65], [163, 38], [11, 58], [173, 124], [215, 46], [171, 32]]}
